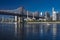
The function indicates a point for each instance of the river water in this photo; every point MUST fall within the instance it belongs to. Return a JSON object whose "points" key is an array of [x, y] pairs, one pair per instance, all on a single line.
{"points": [[30, 31]]}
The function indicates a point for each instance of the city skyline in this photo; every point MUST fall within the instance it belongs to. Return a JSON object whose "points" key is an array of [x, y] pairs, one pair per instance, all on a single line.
{"points": [[18, 10], [31, 5]]}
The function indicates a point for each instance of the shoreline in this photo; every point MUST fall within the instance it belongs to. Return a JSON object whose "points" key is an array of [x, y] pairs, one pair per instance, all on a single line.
{"points": [[9, 22], [27, 22], [43, 22]]}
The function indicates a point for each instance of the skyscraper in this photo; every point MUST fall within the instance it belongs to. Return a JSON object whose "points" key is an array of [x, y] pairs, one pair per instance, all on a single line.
{"points": [[41, 14], [47, 16], [58, 16], [54, 17]]}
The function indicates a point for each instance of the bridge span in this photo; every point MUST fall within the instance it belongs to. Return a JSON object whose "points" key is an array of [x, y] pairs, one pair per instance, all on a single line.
{"points": [[21, 12]]}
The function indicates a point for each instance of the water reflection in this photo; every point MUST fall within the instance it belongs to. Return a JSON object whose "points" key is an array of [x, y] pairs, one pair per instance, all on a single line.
{"points": [[36, 30], [15, 29], [54, 31], [32, 31], [41, 31]]}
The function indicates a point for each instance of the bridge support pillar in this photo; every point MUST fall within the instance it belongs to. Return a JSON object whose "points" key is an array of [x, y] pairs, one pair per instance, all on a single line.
{"points": [[18, 22], [22, 27], [16, 26]]}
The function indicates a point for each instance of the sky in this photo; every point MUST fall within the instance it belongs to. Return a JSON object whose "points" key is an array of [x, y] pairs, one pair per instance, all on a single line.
{"points": [[31, 5]]}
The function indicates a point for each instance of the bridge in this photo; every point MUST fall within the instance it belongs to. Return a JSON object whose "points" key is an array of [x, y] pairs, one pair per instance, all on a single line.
{"points": [[21, 12]]}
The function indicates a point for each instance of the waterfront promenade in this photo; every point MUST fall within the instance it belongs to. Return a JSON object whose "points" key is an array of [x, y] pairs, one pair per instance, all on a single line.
{"points": [[43, 22], [28, 22]]}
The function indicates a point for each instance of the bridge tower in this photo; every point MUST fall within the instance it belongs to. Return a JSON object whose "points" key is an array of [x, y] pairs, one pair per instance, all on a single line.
{"points": [[19, 24], [22, 23]]}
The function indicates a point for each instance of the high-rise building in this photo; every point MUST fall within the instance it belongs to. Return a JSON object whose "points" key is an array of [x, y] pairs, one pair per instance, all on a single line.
{"points": [[58, 16], [36, 14], [40, 14], [47, 16], [54, 17]]}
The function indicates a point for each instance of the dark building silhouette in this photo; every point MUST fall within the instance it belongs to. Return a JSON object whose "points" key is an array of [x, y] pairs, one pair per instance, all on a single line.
{"points": [[58, 16], [47, 16]]}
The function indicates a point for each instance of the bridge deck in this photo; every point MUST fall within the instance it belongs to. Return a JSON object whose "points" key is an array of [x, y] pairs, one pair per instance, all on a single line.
{"points": [[16, 14]]}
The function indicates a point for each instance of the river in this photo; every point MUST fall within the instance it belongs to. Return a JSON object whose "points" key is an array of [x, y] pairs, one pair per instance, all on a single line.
{"points": [[30, 31]]}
